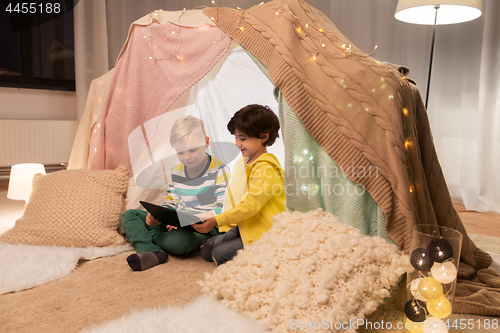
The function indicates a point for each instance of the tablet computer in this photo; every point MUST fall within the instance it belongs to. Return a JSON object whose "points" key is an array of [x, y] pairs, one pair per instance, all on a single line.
{"points": [[171, 216]]}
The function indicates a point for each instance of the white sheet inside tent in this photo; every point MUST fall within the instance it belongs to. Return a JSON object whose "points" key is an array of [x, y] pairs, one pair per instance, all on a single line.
{"points": [[234, 82]]}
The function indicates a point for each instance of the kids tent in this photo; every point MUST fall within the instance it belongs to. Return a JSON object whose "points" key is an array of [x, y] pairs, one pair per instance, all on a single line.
{"points": [[355, 135]]}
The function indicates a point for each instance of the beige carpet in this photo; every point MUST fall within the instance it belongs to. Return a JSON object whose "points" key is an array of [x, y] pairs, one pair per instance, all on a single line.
{"points": [[104, 289], [488, 243]]}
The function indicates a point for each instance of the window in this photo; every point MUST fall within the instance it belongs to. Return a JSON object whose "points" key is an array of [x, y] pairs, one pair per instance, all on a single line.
{"points": [[37, 43]]}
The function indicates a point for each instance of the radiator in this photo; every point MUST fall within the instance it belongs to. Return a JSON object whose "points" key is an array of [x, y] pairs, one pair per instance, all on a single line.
{"points": [[36, 141]]}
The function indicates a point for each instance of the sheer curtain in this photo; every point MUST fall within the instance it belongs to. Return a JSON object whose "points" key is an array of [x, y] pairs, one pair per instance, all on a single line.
{"points": [[464, 101]]}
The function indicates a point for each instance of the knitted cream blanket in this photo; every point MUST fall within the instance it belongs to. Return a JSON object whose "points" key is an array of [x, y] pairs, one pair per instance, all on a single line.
{"points": [[309, 268], [364, 113]]}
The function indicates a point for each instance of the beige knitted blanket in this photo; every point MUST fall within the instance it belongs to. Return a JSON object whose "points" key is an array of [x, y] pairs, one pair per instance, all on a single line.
{"points": [[364, 113]]}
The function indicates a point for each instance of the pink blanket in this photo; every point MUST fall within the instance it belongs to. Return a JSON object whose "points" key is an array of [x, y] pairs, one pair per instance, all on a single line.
{"points": [[173, 58]]}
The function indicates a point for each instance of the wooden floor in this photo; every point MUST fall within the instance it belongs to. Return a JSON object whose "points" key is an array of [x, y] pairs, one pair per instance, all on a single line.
{"points": [[479, 223], [4, 184], [476, 223]]}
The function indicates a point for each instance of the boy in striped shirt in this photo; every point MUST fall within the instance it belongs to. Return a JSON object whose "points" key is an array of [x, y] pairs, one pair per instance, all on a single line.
{"points": [[197, 186]]}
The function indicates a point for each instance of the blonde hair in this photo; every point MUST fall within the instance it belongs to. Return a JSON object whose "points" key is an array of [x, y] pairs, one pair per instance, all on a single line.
{"points": [[185, 125]]}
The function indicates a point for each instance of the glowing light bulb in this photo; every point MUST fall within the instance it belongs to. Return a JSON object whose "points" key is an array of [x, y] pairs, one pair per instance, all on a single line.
{"points": [[434, 325], [313, 189], [413, 327], [414, 289], [297, 159], [405, 111], [439, 308], [445, 272], [430, 288]]}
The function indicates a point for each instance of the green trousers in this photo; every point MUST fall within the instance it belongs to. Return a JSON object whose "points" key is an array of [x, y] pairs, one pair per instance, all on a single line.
{"points": [[146, 238]]}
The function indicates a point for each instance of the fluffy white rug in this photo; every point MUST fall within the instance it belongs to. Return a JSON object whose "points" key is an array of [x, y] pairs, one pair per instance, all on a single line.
{"points": [[27, 266], [11, 210], [203, 315]]}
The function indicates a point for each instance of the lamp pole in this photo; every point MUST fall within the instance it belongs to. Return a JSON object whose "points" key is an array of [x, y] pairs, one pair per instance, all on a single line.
{"points": [[436, 7]]}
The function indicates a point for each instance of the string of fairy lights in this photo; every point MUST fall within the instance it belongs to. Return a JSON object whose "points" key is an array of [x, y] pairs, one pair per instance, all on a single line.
{"points": [[327, 44], [319, 41], [301, 28], [315, 37]]}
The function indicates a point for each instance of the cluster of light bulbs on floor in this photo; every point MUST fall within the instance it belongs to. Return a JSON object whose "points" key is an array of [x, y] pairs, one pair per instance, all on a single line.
{"points": [[429, 304]]}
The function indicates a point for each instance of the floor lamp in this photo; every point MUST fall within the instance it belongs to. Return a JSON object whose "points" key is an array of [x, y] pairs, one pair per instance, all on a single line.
{"points": [[437, 12], [21, 178]]}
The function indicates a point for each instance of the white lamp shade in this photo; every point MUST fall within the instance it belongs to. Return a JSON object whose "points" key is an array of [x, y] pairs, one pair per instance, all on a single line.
{"points": [[449, 12], [21, 177]]}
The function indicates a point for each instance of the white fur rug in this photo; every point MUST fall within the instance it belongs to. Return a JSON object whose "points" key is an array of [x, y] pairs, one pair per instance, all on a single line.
{"points": [[27, 266], [10, 210], [203, 315]]}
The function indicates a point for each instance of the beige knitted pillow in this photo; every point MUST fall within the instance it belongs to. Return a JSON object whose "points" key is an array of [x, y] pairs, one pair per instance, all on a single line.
{"points": [[73, 208]]}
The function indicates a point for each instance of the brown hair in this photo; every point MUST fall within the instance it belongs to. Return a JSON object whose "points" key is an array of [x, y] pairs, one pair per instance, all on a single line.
{"points": [[256, 121]]}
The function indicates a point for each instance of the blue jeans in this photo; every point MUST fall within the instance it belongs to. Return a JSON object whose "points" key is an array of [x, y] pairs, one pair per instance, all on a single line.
{"points": [[222, 248]]}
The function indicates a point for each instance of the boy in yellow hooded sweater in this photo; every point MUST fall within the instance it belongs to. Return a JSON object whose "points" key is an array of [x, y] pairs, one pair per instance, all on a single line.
{"points": [[256, 192]]}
